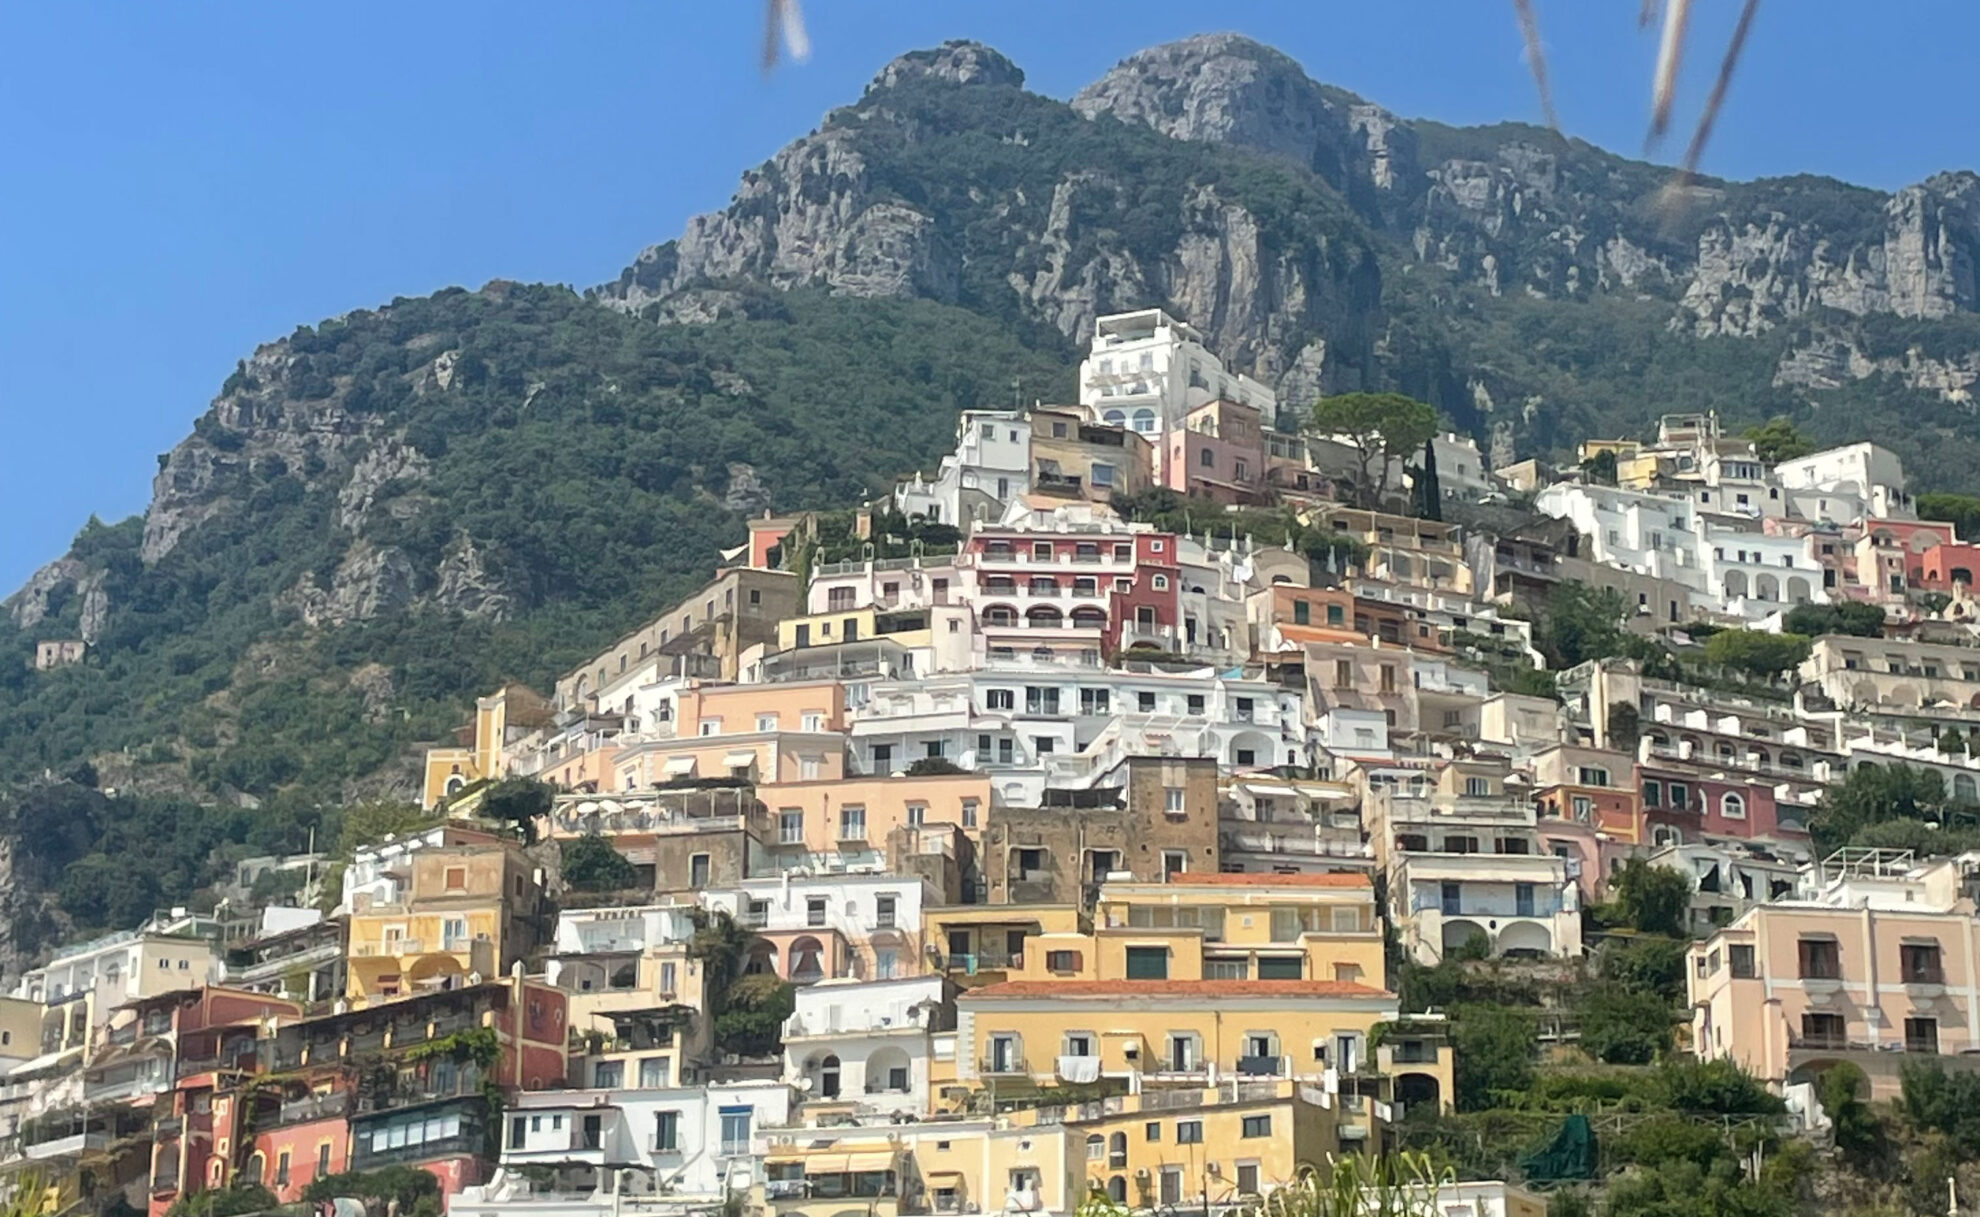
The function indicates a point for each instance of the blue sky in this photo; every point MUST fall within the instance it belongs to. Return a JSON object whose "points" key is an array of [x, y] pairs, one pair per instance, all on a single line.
{"points": [[179, 182]]}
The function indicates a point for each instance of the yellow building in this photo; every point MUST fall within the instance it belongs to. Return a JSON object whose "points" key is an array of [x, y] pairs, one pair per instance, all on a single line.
{"points": [[1014, 1164], [470, 912], [502, 718], [1204, 979], [1231, 1143], [1258, 926], [979, 944], [635, 994]]}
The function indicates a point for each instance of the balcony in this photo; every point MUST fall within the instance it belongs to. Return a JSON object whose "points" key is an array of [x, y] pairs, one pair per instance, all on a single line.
{"points": [[67, 1147], [1007, 1066], [971, 963], [1261, 1066], [314, 1107], [1547, 904], [461, 1145]]}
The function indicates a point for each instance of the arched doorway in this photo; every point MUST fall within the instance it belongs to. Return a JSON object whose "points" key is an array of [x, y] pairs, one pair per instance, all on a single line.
{"points": [[1419, 1091]]}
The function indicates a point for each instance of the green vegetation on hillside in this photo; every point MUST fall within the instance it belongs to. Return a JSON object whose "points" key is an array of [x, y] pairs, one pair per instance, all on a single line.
{"points": [[588, 454]]}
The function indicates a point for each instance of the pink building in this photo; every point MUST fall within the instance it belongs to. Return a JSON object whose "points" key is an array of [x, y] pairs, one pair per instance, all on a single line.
{"points": [[1097, 591], [1881, 968], [1218, 454], [1685, 804]]}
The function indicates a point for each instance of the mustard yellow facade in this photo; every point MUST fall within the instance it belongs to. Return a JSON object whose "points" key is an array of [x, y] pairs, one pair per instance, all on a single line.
{"points": [[469, 911], [509, 711]]}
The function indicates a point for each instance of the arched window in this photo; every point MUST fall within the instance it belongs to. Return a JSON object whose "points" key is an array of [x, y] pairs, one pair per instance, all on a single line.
{"points": [[1000, 614], [1096, 1147], [1963, 787], [1733, 806], [828, 1078], [1144, 420], [1114, 418], [1117, 1189]]}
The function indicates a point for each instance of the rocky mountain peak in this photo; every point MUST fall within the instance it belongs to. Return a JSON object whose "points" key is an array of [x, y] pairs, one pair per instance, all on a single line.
{"points": [[958, 62], [1220, 88]]}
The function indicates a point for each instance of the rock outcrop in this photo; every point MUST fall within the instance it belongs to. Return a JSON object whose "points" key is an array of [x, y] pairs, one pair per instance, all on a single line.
{"points": [[1523, 210]]}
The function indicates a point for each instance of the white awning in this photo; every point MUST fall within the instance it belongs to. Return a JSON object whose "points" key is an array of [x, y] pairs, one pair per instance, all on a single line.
{"points": [[46, 1060], [739, 760], [678, 766]]}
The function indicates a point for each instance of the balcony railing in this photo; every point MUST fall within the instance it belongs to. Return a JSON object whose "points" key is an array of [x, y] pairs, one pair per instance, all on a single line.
{"points": [[1005, 1066], [970, 963], [1261, 1066], [465, 1144], [1547, 905], [315, 1107]]}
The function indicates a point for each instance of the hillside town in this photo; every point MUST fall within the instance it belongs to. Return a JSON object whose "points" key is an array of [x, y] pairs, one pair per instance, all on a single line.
{"points": [[1057, 827]]}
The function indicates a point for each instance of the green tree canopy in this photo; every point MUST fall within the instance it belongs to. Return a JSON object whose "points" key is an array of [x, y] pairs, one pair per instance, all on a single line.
{"points": [[1778, 440], [1756, 652], [1583, 623], [754, 1008], [1962, 511], [1621, 1025], [519, 801], [1384, 429], [1649, 898], [367, 823], [590, 864], [1493, 1047], [1848, 617], [1873, 794]]}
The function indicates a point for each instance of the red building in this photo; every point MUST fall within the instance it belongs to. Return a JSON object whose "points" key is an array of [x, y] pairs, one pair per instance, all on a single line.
{"points": [[210, 1037], [405, 1083], [1038, 592], [1938, 568], [1682, 805]]}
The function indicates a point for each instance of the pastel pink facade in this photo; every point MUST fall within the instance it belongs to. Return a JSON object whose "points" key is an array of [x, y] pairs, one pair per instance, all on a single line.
{"points": [[1218, 454], [1788, 990]]}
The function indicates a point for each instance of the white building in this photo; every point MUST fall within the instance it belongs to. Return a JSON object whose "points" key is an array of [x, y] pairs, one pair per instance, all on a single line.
{"points": [[600, 1152], [1035, 723], [1462, 866], [865, 1045], [599, 950], [1472, 1198], [823, 927], [990, 467], [1147, 371], [381, 873], [122, 967], [1748, 573], [1652, 534], [1871, 474], [1461, 471]]}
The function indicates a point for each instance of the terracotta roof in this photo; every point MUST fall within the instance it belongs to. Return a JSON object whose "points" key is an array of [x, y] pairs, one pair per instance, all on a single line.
{"points": [[1215, 879], [1174, 988]]}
